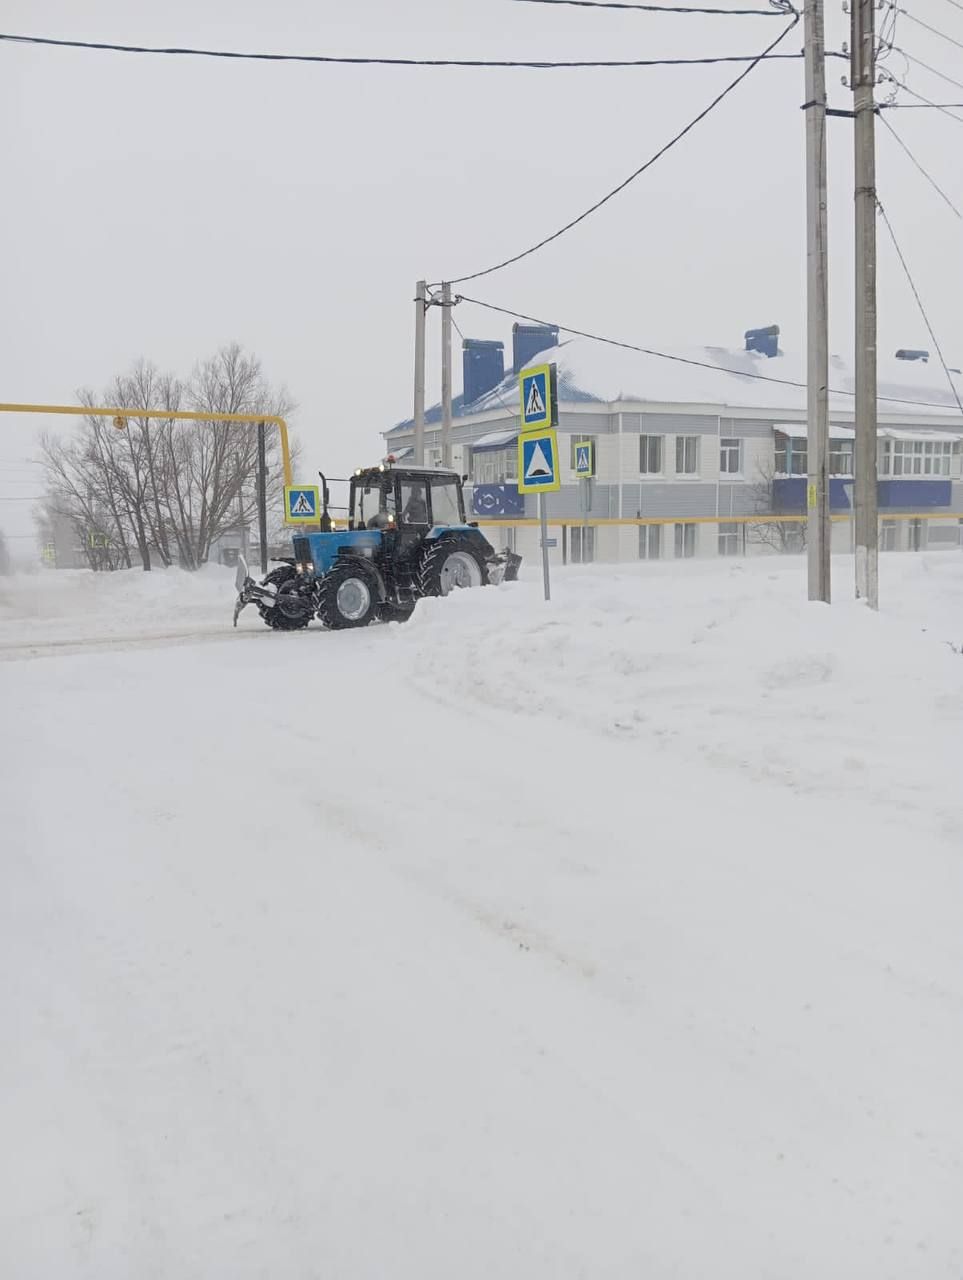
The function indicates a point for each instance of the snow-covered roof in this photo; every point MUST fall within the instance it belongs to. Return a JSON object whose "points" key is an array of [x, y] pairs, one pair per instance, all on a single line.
{"points": [[798, 431], [494, 440], [739, 378], [592, 372]]}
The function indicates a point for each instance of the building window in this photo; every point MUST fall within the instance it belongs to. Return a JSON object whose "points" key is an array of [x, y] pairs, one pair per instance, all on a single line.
{"points": [[888, 535], [730, 457], [916, 457], [791, 455], [840, 457], [650, 455], [685, 541], [499, 466], [687, 455], [650, 542], [730, 539]]}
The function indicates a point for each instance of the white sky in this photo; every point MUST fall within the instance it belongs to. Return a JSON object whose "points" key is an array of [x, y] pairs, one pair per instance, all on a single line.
{"points": [[162, 206]]}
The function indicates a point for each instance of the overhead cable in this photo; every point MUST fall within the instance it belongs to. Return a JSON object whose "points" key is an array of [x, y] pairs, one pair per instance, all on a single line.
{"points": [[686, 360], [928, 176], [957, 84], [933, 30], [517, 257], [919, 303], [943, 107], [337, 60], [777, 10]]}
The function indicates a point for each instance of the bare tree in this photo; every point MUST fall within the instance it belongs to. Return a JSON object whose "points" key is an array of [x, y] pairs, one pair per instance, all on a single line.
{"points": [[163, 488], [785, 536]]}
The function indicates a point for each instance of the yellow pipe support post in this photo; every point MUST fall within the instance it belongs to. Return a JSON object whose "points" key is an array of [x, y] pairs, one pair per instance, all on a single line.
{"points": [[178, 415]]}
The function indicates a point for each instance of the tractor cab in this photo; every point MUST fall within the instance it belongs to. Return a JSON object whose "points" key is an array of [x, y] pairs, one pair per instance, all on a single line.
{"points": [[409, 500]]}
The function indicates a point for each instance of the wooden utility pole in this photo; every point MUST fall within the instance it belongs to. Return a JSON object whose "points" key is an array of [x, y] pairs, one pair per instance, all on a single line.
{"points": [[818, 527], [863, 55]]}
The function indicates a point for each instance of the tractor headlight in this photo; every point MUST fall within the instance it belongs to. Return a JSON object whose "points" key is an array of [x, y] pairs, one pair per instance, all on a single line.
{"points": [[299, 567], [309, 567]]}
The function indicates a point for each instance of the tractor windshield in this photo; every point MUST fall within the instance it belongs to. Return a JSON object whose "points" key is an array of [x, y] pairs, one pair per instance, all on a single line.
{"points": [[367, 503]]}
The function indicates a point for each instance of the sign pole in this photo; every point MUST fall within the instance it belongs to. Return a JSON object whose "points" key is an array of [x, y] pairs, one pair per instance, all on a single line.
{"points": [[262, 496], [538, 469], [543, 523], [585, 518]]}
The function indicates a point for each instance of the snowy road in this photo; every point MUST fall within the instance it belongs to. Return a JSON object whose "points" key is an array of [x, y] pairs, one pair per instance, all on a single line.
{"points": [[618, 938]]}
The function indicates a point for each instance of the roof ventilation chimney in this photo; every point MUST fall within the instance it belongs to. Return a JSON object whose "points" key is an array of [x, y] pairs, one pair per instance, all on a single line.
{"points": [[528, 340], [765, 341], [906, 354], [483, 367]]}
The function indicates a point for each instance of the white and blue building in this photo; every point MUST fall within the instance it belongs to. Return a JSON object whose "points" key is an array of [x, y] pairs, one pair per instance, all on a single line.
{"points": [[690, 457]]}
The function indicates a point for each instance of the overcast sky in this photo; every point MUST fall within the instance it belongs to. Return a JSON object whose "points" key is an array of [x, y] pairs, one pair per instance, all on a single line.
{"points": [[161, 206]]}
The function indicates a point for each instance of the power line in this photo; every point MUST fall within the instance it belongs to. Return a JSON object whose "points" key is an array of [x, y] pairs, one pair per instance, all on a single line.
{"points": [[929, 177], [956, 4], [944, 107], [777, 11], [687, 360], [919, 106], [919, 303], [958, 84], [934, 30], [476, 275], [541, 65]]}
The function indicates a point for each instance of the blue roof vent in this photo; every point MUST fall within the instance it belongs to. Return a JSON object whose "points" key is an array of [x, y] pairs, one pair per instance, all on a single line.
{"points": [[528, 340], [906, 353], [765, 341], [483, 367]]}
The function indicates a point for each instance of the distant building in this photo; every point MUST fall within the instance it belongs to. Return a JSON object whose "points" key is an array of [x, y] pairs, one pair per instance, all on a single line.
{"points": [[697, 445]]}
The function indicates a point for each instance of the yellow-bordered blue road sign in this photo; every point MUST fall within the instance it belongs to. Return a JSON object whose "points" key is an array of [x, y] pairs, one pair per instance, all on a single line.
{"points": [[302, 504], [537, 388], [538, 470], [584, 459]]}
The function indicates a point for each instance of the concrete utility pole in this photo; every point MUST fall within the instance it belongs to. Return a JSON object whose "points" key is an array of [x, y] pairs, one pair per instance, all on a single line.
{"points": [[421, 311], [446, 375], [818, 527], [863, 55]]}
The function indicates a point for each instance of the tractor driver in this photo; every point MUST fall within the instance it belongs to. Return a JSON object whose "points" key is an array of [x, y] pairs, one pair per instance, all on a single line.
{"points": [[416, 508]]}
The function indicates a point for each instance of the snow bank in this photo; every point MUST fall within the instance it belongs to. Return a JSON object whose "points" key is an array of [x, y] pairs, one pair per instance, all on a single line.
{"points": [[617, 937]]}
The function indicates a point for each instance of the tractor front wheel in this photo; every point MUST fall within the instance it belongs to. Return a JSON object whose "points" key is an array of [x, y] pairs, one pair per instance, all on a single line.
{"points": [[285, 579], [450, 563], [348, 595]]}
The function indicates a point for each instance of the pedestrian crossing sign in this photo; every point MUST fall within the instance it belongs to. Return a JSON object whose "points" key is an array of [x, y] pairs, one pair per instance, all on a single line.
{"points": [[537, 388], [584, 459], [538, 462], [301, 504]]}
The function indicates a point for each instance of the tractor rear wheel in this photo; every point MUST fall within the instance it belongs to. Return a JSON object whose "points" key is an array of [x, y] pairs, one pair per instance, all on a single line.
{"points": [[348, 595], [450, 563]]}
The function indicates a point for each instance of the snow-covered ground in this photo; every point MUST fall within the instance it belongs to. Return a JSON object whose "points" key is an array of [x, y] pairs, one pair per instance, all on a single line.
{"points": [[618, 937]]}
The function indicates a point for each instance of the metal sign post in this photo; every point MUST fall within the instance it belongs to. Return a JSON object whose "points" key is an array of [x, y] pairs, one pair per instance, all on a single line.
{"points": [[543, 526], [538, 469]]}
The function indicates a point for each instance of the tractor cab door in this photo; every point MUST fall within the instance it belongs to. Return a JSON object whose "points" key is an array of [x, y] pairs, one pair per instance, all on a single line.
{"points": [[447, 501], [413, 512]]}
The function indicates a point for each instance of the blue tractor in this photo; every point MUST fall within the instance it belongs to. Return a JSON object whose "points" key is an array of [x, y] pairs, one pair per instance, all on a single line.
{"points": [[407, 537]]}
